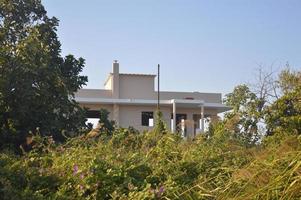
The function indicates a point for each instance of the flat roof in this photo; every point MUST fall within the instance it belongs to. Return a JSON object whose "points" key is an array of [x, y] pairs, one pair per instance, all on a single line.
{"points": [[134, 74], [180, 102]]}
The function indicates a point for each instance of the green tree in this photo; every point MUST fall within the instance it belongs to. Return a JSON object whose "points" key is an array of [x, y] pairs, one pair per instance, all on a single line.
{"points": [[160, 126], [37, 84], [289, 80], [245, 117], [285, 113]]}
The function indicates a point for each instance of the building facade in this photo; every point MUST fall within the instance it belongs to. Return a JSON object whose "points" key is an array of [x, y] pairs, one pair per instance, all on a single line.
{"points": [[131, 100]]}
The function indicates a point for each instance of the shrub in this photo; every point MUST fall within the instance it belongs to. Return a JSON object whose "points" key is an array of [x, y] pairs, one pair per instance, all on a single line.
{"points": [[130, 165]]}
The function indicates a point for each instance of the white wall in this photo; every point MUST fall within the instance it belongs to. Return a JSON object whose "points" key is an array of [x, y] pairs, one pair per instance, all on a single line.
{"points": [[108, 84], [93, 93], [136, 87]]}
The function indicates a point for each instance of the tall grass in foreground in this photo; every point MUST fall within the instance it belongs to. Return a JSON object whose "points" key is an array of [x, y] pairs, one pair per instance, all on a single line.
{"points": [[150, 166]]}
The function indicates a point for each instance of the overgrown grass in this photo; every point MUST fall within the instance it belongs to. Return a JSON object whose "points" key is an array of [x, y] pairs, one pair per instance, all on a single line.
{"points": [[150, 166]]}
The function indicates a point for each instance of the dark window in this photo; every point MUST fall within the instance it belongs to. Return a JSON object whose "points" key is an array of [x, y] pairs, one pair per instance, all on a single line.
{"points": [[147, 118]]}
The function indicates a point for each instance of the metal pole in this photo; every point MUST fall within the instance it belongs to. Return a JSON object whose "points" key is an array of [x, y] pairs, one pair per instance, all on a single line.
{"points": [[158, 105]]}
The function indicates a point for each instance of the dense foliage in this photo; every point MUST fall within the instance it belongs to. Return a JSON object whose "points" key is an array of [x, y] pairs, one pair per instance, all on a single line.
{"points": [[36, 82], [147, 166], [275, 106]]}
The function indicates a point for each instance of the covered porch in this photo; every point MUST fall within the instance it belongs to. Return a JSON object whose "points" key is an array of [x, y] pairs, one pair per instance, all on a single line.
{"points": [[190, 114]]}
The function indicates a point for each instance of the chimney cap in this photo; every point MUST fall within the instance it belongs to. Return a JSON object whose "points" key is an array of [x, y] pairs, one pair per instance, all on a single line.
{"points": [[115, 61]]}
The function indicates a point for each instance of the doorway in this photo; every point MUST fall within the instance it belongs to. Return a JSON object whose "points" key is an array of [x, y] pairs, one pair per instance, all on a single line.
{"points": [[180, 124]]}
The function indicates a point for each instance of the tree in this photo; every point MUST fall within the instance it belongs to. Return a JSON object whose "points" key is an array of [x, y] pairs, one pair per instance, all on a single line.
{"points": [[37, 84], [289, 80], [285, 113], [275, 105], [244, 119], [266, 87], [160, 126]]}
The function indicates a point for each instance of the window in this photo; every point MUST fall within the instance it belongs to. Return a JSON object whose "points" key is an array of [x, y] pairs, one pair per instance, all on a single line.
{"points": [[147, 119]]}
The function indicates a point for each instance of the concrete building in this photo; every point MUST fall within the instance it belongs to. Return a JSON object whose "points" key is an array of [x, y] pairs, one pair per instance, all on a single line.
{"points": [[131, 100]]}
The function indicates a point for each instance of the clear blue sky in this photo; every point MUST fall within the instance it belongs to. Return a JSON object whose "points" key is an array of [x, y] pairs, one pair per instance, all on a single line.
{"points": [[207, 46]]}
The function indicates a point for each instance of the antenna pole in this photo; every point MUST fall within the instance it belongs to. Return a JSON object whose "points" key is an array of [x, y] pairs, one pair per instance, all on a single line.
{"points": [[158, 105]]}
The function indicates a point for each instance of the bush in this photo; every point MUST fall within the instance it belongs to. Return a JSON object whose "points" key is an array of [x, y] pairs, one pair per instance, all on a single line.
{"points": [[130, 165]]}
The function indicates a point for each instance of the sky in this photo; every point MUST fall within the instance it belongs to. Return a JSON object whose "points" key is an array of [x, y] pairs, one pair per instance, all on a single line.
{"points": [[201, 45]]}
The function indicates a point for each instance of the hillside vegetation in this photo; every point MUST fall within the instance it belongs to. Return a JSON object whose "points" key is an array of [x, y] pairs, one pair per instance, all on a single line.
{"points": [[253, 153], [151, 166]]}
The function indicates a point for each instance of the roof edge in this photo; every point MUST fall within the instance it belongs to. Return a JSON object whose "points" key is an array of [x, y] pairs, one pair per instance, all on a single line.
{"points": [[134, 74]]}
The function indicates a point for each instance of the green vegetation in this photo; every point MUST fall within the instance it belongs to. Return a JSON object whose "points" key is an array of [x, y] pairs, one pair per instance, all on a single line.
{"points": [[36, 82], [47, 151], [116, 163], [147, 166]]}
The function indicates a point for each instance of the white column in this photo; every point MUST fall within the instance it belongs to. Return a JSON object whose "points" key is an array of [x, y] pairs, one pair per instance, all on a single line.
{"points": [[174, 111], [116, 114], [202, 119]]}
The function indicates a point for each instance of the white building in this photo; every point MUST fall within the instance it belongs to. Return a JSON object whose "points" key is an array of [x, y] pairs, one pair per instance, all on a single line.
{"points": [[131, 100]]}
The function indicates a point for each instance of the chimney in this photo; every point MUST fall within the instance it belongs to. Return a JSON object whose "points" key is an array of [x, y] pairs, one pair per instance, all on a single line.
{"points": [[115, 79], [115, 67]]}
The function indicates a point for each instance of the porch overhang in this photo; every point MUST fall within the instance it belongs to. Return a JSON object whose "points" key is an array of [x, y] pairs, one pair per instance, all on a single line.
{"points": [[181, 103]]}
